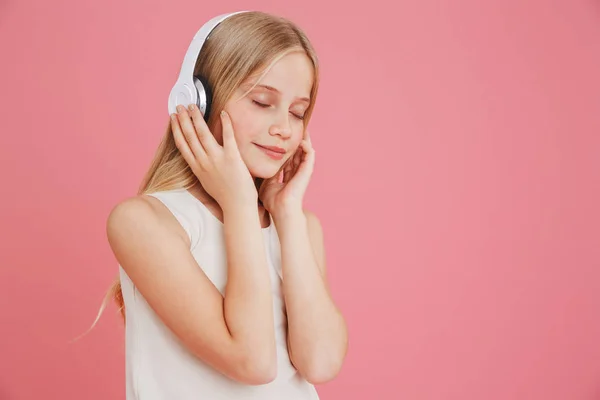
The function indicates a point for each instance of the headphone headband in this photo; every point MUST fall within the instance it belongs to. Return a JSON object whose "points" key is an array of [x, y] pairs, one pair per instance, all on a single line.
{"points": [[184, 91]]}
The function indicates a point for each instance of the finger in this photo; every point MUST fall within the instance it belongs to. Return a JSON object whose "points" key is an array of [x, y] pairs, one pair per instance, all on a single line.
{"points": [[228, 136], [288, 171], [310, 153], [205, 136], [282, 168], [300, 155], [274, 179], [189, 132], [308, 148], [304, 154], [181, 142], [307, 163], [306, 136]]}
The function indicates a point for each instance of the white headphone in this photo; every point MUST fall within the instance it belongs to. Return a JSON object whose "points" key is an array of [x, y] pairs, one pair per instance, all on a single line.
{"points": [[190, 89]]}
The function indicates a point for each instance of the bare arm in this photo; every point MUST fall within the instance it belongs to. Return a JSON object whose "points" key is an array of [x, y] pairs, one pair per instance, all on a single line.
{"points": [[234, 334], [317, 333]]}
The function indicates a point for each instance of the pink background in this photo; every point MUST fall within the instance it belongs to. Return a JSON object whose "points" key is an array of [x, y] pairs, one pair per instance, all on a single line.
{"points": [[457, 180]]}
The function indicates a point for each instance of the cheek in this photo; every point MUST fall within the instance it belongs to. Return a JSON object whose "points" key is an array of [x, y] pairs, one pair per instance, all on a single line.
{"points": [[245, 125], [298, 136], [246, 132]]}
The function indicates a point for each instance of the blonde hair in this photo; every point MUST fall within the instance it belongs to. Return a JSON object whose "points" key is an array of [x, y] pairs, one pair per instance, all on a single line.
{"points": [[241, 46]]}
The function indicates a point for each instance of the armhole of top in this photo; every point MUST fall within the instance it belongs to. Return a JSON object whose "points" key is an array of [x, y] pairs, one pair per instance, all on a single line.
{"points": [[191, 227]]}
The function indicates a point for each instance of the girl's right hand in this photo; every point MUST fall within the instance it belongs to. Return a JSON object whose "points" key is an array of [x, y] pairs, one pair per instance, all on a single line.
{"points": [[220, 169]]}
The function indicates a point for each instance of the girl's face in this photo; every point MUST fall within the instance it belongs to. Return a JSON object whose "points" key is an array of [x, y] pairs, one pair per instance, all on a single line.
{"points": [[272, 114]]}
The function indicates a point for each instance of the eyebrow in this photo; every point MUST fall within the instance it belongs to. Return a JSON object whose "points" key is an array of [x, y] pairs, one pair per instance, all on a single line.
{"points": [[272, 89]]}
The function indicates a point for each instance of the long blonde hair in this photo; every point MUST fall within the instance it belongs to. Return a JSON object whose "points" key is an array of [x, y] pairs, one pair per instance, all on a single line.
{"points": [[239, 47]]}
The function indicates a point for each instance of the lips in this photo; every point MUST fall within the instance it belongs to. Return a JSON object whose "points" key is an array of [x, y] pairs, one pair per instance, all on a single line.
{"points": [[272, 148], [276, 154]]}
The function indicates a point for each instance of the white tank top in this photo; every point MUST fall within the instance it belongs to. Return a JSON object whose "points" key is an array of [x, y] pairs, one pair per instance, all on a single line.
{"points": [[158, 366]]}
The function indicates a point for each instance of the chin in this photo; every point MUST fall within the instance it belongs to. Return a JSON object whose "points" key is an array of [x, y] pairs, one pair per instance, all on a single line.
{"points": [[264, 171]]}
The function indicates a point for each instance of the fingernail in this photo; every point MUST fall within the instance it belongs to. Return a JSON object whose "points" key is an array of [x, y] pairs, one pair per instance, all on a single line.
{"points": [[173, 116], [191, 107], [223, 113], [180, 108]]}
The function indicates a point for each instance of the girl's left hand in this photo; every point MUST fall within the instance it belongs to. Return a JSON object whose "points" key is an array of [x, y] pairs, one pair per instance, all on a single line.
{"points": [[286, 189]]}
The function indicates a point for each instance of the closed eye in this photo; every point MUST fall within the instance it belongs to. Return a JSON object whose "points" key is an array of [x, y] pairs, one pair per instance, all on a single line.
{"points": [[262, 105]]}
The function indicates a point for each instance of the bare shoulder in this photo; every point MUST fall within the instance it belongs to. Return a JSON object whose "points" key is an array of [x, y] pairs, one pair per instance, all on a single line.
{"points": [[139, 214], [143, 236]]}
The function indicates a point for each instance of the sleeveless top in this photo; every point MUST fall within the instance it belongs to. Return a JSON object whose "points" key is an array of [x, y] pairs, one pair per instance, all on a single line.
{"points": [[158, 366]]}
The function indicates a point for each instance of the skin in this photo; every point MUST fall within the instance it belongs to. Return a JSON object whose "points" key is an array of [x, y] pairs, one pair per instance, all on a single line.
{"points": [[234, 334], [317, 332], [278, 124]]}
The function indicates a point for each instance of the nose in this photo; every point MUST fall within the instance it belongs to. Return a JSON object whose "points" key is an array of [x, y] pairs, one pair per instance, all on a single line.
{"points": [[281, 127]]}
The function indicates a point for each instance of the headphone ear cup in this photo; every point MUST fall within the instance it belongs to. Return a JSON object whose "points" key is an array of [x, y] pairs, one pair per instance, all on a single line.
{"points": [[204, 96]]}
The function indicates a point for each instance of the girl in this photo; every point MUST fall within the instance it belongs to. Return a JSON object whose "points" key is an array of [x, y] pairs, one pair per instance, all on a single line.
{"points": [[222, 272]]}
